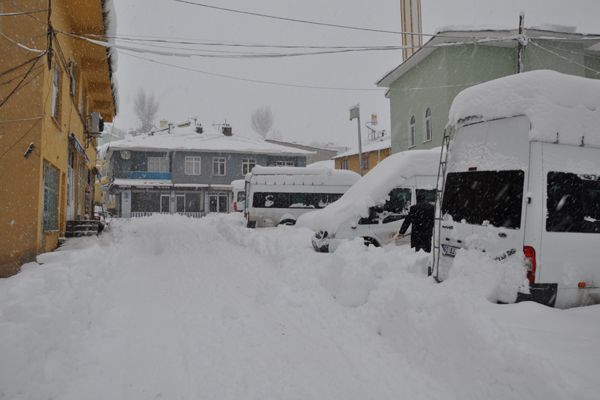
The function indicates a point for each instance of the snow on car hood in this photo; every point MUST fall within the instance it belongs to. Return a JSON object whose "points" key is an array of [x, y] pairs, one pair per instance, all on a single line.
{"points": [[373, 189]]}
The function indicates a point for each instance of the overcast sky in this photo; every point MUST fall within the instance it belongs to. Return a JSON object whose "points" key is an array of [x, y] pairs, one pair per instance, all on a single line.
{"points": [[303, 115]]}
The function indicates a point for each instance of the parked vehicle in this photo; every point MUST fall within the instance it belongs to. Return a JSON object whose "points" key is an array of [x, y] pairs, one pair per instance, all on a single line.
{"points": [[375, 207], [523, 180], [279, 195], [239, 195]]}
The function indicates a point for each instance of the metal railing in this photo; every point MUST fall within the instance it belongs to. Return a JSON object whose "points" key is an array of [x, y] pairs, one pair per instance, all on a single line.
{"points": [[191, 214]]}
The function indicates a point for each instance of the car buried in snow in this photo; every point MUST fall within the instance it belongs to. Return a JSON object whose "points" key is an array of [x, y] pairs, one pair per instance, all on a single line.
{"points": [[375, 207], [523, 180]]}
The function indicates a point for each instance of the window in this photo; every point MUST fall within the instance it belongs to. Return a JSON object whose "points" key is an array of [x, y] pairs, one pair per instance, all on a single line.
{"points": [[219, 166], [51, 185], [83, 101], [573, 203], [241, 197], [428, 195], [217, 202], [55, 107], [293, 200], [411, 131], [479, 197], [193, 165], [282, 163], [73, 78], [428, 126], [158, 164], [395, 208], [247, 165], [365, 161], [145, 201], [193, 202], [164, 203], [344, 164]]}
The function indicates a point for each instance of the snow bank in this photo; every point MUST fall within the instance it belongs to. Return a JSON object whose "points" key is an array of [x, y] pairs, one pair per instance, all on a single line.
{"points": [[373, 189], [553, 102], [169, 307]]}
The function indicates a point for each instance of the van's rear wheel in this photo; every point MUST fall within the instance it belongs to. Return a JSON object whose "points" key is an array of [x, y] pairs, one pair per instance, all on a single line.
{"points": [[369, 241]]}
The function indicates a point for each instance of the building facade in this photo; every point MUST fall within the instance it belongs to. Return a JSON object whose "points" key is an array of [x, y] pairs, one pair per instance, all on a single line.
{"points": [[421, 89], [185, 172], [51, 83], [372, 154]]}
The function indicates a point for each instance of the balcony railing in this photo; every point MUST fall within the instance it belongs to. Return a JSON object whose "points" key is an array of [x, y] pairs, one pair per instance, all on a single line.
{"points": [[191, 214], [147, 175]]}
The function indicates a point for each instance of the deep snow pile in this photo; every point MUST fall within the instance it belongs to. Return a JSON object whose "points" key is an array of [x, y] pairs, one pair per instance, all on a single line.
{"points": [[373, 189], [553, 102], [170, 307]]}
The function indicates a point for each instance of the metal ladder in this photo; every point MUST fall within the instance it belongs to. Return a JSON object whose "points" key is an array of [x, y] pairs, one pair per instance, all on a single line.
{"points": [[441, 180]]}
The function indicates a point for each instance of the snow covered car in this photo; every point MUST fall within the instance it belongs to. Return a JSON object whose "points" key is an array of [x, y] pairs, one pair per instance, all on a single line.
{"points": [[279, 195], [375, 207], [239, 195], [523, 180]]}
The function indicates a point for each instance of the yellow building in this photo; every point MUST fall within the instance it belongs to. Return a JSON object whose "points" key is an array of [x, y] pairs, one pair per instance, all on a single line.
{"points": [[372, 153], [50, 84]]}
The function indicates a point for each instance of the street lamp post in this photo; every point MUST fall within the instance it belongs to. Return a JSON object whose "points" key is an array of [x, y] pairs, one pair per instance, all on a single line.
{"points": [[355, 114]]}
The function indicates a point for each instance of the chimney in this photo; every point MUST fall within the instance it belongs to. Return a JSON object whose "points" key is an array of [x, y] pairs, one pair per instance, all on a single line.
{"points": [[199, 128], [163, 124], [226, 129], [411, 23]]}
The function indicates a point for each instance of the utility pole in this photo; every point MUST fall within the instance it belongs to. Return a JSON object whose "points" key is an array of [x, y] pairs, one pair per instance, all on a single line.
{"points": [[521, 43], [355, 114]]}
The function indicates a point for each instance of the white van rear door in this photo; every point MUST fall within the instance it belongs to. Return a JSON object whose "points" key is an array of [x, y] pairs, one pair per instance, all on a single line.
{"points": [[570, 251]]}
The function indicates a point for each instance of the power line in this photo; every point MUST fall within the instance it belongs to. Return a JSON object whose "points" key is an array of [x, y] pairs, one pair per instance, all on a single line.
{"points": [[18, 86], [15, 14], [21, 45], [12, 69], [248, 79], [304, 21], [565, 58]]}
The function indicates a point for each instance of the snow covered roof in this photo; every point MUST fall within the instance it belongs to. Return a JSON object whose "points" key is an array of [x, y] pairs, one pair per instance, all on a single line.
{"points": [[553, 102], [303, 175], [373, 188], [484, 36], [186, 138], [329, 164], [384, 143]]}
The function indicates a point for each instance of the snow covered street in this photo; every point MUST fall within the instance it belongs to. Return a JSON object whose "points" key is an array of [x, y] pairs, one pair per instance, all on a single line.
{"points": [[170, 307]]}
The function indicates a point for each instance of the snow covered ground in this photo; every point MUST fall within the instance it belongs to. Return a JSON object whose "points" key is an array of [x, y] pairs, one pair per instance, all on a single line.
{"points": [[175, 308]]}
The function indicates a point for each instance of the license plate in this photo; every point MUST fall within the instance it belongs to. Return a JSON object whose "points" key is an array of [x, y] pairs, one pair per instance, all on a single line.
{"points": [[448, 250]]}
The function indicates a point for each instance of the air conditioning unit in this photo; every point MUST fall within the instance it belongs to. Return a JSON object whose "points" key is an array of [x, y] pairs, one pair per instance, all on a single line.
{"points": [[95, 124]]}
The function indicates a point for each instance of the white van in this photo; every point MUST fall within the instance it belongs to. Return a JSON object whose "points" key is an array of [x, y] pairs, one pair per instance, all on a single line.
{"points": [[375, 207], [279, 195], [239, 195], [523, 180]]}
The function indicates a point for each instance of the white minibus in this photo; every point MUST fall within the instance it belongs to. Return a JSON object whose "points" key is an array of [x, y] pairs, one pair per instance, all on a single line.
{"points": [[279, 195], [523, 180]]}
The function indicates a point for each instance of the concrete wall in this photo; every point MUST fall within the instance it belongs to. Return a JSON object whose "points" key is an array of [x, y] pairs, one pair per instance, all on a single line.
{"points": [[435, 82]]}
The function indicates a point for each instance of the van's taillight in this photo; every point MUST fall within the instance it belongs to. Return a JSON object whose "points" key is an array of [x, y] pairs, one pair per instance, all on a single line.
{"points": [[530, 263], [235, 206]]}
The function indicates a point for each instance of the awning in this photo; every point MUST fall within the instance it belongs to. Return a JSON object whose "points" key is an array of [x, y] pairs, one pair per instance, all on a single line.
{"points": [[79, 147]]}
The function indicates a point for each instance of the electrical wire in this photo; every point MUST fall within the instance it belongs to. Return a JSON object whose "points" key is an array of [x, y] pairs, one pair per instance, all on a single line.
{"points": [[21, 45], [304, 21], [12, 69], [15, 14], [249, 79], [565, 58], [20, 84]]}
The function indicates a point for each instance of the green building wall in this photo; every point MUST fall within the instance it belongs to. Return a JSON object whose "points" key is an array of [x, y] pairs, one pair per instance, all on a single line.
{"points": [[435, 82]]}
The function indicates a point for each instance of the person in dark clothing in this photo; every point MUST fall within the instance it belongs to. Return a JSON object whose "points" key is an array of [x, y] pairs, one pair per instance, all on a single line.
{"points": [[421, 217]]}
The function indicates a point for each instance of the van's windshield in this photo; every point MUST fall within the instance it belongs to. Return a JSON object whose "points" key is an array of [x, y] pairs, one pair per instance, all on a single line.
{"points": [[478, 197]]}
